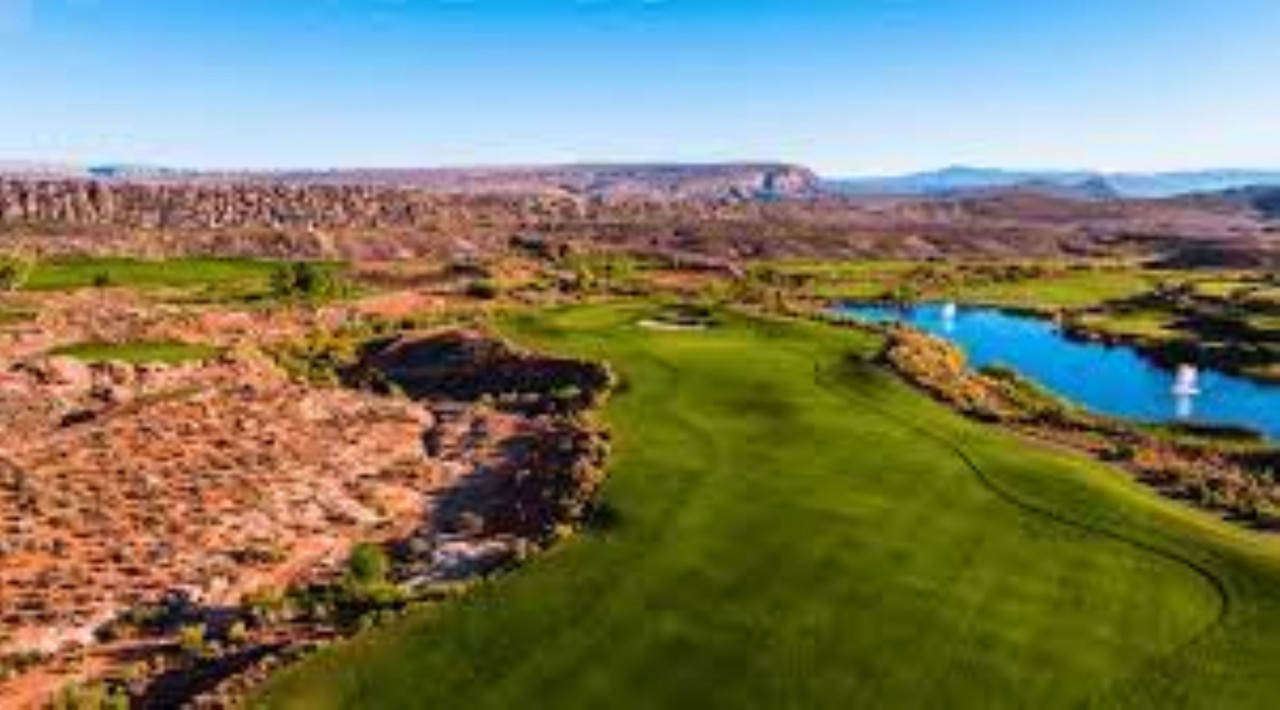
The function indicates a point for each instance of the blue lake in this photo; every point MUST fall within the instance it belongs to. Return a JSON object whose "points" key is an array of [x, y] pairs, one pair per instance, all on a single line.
{"points": [[1112, 380]]}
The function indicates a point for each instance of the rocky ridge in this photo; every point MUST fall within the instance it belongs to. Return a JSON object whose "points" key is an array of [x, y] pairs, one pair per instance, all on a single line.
{"points": [[365, 222]]}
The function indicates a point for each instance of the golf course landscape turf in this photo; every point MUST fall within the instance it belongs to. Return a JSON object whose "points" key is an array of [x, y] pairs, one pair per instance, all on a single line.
{"points": [[789, 526]]}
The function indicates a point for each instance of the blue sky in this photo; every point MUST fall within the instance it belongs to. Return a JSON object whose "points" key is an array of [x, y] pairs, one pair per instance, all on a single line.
{"points": [[847, 86]]}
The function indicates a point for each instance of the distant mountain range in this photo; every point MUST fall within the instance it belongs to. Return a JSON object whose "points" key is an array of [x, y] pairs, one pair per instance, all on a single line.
{"points": [[1262, 199], [1074, 183], [760, 181]]}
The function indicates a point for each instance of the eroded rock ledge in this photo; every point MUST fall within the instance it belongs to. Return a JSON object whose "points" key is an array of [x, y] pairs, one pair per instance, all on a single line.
{"points": [[556, 456]]}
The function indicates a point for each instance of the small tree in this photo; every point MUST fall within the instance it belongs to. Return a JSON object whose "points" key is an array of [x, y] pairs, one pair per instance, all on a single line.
{"points": [[368, 565], [904, 293], [619, 271], [14, 272], [303, 280]]}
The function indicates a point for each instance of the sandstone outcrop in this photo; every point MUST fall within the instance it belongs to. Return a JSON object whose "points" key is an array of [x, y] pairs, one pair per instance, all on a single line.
{"points": [[202, 478], [736, 217]]}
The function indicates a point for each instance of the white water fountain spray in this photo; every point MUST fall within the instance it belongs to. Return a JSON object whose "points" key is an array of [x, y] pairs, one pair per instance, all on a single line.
{"points": [[1187, 382], [949, 311], [1186, 385]]}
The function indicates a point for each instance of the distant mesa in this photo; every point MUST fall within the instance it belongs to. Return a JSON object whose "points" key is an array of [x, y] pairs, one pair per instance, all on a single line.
{"points": [[1264, 200], [691, 181]]}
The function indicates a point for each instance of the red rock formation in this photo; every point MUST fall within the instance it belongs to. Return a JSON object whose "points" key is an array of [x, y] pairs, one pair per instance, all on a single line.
{"points": [[370, 221]]}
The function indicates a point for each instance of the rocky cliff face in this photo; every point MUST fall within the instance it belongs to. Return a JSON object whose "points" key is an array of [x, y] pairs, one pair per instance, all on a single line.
{"points": [[734, 213], [183, 206], [606, 181]]}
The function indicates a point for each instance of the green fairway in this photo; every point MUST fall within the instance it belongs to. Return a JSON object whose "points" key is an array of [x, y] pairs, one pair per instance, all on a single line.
{"points": [[164, 352], [1070, 289], [205, 279], [1054, 286], [793, 528], [70, 274]]}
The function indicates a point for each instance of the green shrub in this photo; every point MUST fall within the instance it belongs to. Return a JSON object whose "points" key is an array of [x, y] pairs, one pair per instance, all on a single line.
{"points": [[14, 272], [91, 696], [238, 634], [191, 639], [484, 289], [368, 565], [304, 280], [323, 357]]}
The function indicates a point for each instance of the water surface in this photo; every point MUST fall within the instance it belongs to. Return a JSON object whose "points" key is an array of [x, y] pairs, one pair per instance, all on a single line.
{"points": [[1113, 380]]}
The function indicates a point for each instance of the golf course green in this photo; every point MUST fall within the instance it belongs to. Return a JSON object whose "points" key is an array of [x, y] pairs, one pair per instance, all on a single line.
{"points": [[789, 526]]}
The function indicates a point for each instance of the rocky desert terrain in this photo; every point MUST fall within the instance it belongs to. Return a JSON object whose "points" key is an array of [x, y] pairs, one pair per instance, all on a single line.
{"points": [[133, 486], [721, 212]]}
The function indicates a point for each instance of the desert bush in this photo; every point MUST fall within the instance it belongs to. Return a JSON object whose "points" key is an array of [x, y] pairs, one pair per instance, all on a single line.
{"points": [[238, 634], [192, 641], [14, 272], [305, 280], [322, 357], [368, 565], [601, 272], [364, 589], [91, 696], [266, 606]]}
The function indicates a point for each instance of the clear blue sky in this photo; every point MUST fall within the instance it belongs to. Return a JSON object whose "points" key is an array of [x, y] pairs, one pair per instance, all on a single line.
{"points": [[847, 86]]}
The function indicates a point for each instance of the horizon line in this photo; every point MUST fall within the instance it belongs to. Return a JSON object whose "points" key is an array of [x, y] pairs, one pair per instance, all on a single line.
{"points": [[851, 174]]}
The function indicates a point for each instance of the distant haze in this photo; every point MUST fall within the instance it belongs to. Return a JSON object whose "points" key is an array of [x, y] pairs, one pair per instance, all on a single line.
{"points": [[1083, 182]]}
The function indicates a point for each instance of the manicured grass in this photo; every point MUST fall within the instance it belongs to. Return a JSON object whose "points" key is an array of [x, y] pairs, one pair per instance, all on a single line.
{"points": [[853, 280], [202, 278], [1060, 287], [1073, 289], [792, 528], [1151, 325], [1219, 288], [162, 352], [177, 273]]}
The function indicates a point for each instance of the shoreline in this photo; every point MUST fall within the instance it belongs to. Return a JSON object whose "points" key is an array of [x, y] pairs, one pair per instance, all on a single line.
{"points": [[1212, 473], [1156, 353]]}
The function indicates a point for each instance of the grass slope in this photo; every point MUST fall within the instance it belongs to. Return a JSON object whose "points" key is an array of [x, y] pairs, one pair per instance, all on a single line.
{"points": [[163, 351], [200, 279], [68, 274], [1058, 288], [797, 529]]}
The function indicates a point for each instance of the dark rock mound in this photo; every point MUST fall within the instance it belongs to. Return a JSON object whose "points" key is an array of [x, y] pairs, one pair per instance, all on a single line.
{"points": [[467, 365]]}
